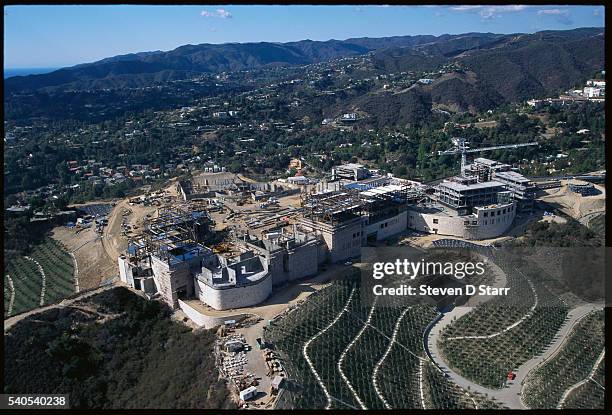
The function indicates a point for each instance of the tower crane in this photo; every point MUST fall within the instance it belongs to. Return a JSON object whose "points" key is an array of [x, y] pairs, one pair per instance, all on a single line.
{"points": [[461, 147]]}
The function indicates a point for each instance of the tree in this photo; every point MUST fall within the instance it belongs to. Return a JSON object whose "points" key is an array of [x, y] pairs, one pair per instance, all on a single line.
{"points": [[422, 154], [63, 172], [235, 166], [400, 171]]}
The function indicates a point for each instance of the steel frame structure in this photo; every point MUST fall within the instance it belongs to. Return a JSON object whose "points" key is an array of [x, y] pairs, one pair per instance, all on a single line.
{"points": [[341, 205], [172, 227]]}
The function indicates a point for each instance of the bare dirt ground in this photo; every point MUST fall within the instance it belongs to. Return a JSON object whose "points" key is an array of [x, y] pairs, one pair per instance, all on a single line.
{"points": [[96, 255], [293, 200], [241, 214], [114, 242], [93, 263], [573, 204], [246, 179]]}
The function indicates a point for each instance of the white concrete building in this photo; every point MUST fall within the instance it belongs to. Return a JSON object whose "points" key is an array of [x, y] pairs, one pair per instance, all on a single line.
{"points": [[234, 283], [466, 208], [248, 393], [486, 221], [350, 171], [600, 83], [592, 92]]}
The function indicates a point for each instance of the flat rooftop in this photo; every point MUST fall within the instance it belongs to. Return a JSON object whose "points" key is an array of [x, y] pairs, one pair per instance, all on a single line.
{"points": [[383, 189], [434, 209], [465, 187], [512, 175], [488, 162], [350, 166]]}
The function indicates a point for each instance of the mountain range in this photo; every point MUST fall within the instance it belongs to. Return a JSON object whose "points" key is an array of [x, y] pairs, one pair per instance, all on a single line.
{"points": [[499, 67]]}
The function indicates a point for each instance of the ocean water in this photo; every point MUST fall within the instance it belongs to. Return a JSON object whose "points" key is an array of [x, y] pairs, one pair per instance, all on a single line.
{"points": [[8, 72]]}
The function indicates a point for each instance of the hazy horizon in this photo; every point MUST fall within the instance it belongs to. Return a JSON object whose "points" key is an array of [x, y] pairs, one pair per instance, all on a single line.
{"points": [[64, 35]]}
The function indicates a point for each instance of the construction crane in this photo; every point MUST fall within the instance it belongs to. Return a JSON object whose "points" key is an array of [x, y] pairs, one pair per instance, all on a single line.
{"points": [[461, 147]]}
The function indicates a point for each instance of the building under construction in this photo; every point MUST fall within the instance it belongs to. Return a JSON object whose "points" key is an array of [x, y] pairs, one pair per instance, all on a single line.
{"points": [[350, 218], [480, 203], [229, 187], [174, 258], [522, 189], [162, 258], [177, 256]]}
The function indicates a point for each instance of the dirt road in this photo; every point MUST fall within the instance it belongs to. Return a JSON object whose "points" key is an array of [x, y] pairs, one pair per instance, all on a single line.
{"points": [[279, 302], [509, 396], [11, 321]]}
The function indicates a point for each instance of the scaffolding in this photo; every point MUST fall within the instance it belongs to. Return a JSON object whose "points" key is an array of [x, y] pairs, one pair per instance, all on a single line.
{"points": [[333, 207], [172, 229], [342, 205]]}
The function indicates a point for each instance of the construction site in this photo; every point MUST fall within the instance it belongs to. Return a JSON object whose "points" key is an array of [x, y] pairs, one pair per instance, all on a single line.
{"points": [[229, 243], [233, 258], [223, 251]]}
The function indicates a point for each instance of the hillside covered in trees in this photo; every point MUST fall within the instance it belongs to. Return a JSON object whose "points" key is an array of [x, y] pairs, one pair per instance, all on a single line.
{"points": [[114, 350]]}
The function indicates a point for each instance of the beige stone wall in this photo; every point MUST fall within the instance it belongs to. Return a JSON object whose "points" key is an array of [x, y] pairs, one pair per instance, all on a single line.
{"points": [[343, 241], [483, 228], [234, 297], [169, 279], [208, 322], [387, 227], [303, 262]]}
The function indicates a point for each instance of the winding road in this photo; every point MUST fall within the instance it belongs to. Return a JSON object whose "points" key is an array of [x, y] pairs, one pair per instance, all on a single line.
{"points": [[575, 386], [509, 396], [11, 321]]}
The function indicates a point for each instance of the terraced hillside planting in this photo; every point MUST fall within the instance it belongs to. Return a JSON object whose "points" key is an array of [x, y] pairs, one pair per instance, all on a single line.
{"points": [[27, 283], [598, 225], [343, 353], [586, 396], [590, 395], [440, 393], [48, 266], [599, 376], [505, 332], [399, 383], [290, 334], [574, 363]]}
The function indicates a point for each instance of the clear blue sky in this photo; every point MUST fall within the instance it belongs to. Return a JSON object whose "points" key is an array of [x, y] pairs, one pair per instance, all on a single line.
{"points": [[54, 36]]}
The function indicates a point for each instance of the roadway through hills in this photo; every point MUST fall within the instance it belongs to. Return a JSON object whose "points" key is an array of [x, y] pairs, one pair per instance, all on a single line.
{"points": [[11, 321]]}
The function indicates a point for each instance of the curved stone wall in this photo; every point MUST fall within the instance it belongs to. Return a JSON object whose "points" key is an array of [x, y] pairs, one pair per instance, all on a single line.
{"points": [[236, 296], [486, 222], [206, 321]]}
